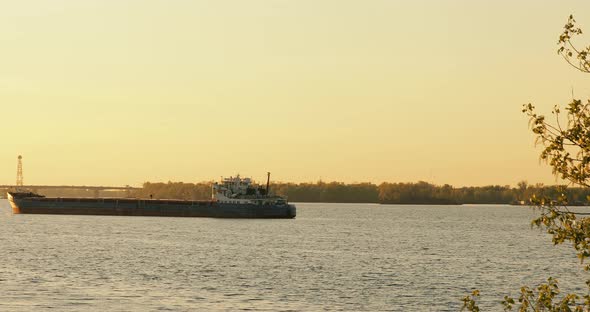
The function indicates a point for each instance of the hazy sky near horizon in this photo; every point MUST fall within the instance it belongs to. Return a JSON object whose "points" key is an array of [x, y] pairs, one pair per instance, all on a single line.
{"points": [[101, 92]]}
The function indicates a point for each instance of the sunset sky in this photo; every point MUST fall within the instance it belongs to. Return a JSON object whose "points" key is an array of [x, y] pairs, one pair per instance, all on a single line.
{"points": [[105, 92]]}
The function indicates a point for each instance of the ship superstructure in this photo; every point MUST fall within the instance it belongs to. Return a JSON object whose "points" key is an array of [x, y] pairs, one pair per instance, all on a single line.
{"points": [[239, 190]]}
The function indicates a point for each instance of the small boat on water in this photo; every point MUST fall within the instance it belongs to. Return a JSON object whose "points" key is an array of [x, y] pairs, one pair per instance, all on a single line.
{"points": [[233, 197]]}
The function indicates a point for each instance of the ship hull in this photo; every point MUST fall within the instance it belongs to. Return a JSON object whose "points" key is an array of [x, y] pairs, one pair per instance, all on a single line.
{"points": [[146, 207]]}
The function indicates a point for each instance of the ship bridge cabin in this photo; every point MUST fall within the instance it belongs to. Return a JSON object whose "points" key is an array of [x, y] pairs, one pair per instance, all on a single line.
{"points": [[235, 189]]}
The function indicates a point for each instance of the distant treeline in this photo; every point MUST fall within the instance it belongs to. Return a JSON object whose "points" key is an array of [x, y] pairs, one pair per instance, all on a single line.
{"points": [[175, 190], [337, 192], [385, 193]]}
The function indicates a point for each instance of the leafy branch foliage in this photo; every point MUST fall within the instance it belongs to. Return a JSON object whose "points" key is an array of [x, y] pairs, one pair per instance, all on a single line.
{"points": [[470, 302], [576, 57], [544, 298], [567, 151]]}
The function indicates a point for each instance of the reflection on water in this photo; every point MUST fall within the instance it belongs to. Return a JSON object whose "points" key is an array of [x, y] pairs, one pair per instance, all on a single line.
{"points": [[333, 256]]}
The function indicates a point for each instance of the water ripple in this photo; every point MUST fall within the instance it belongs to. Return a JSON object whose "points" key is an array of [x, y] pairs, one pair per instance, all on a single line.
{"points": [[332, 257]]}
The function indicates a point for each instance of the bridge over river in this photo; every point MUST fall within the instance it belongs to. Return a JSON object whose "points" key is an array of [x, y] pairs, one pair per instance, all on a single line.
{"points": [[95, 189]]}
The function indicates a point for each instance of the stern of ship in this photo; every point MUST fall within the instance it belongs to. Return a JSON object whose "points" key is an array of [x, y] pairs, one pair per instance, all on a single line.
{"points": [[292, 211]]}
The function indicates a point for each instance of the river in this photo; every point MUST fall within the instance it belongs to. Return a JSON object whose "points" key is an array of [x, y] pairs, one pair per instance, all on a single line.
{"points": [[347, 257]]}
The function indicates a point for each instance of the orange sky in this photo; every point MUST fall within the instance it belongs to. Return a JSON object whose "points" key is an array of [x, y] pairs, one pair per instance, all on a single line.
{"points": [[121, 92]]}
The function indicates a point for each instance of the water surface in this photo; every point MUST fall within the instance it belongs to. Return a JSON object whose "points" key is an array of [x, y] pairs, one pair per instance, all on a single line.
{"points": [[348, 257]]}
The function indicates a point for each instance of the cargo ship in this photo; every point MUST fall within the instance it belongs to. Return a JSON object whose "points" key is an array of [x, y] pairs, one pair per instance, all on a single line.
{"points": [[233, 197]]}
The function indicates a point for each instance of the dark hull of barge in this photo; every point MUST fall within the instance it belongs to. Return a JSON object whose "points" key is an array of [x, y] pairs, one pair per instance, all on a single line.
{"points": [[29, 203]]}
